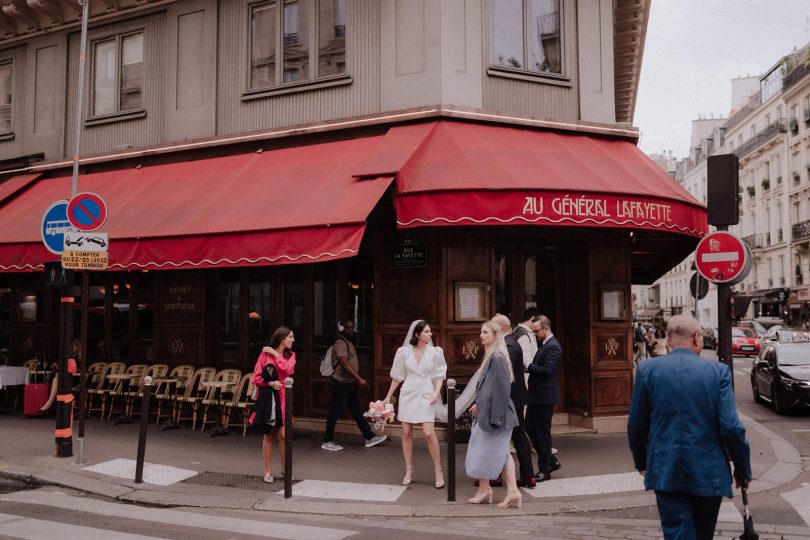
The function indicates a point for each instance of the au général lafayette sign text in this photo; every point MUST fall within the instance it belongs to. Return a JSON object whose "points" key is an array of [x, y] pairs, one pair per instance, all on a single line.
{"points": [[590, 206]]}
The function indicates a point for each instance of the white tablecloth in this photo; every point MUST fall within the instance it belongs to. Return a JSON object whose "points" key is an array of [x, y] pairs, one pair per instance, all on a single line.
{"points": [[11, 376]]}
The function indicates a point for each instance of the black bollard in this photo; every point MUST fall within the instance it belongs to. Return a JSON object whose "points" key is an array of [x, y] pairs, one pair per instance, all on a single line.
{"points": [[451, 440], [288, 431], [145, 403]]}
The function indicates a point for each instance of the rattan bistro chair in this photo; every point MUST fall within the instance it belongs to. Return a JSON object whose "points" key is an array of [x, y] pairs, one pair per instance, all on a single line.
{"points": [[166, 394], [195, 392], [137, 371], [103, 387], [242, 401], [214, 396], [155, 371]]}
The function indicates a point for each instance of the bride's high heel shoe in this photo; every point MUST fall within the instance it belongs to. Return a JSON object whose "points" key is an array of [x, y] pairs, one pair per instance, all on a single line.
{"points": [[439, 479], [481, 497], [512, 498], [408, 476]]}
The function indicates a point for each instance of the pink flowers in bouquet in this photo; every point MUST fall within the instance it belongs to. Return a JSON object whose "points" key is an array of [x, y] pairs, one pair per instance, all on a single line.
{"points": [[379, 413]]}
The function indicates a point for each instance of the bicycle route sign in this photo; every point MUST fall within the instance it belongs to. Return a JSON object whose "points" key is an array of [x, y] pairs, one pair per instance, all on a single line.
{"points": [[87, 211], [55, 224]]}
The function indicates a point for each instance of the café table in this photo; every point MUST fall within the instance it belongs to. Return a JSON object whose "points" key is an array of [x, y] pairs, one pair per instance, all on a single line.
{"points": [[121, 384], [11, 376], [169, 382], [218, 390]]}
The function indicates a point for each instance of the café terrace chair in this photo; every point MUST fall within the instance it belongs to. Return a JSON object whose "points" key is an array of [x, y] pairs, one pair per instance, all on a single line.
{"points": [[137, 371], [103, 387], [155, 371], [195, 392], [214, 396], [242, 401], [166, 393]]}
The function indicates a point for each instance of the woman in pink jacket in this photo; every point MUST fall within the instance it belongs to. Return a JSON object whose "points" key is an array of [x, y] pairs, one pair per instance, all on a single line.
{"points": [[275, 363]]}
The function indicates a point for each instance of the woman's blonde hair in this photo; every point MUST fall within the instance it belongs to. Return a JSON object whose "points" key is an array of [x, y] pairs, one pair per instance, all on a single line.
{"points": [[497, 345]]}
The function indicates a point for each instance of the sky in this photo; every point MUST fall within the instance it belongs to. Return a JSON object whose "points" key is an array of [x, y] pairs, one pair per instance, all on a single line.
{"points": [[693, 50]]}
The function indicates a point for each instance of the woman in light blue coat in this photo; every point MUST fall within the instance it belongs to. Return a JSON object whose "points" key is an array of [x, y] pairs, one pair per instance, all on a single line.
{"points": [[488, 451]]}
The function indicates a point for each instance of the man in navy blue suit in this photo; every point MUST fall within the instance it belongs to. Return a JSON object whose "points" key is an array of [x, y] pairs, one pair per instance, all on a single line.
{"points": [[543, 395], [683, 429]]}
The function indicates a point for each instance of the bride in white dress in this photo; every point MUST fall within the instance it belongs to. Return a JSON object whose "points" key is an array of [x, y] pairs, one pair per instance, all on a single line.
{"points": [[421, 369]]}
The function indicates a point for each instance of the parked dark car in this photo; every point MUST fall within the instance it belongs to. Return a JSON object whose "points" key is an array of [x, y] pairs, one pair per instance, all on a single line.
{"points": [[781, 375], [709, 338]]}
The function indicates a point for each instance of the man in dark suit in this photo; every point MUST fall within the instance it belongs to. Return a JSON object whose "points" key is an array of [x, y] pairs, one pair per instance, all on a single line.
{"points": [[682, 429], [542, 396], [520, 439]]}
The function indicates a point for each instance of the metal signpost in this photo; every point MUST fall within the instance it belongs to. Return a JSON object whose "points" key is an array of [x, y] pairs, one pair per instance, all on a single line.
{"points": [[724, 259]]}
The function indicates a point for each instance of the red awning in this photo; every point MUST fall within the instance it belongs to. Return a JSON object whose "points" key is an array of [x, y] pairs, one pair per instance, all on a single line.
{"points": [[477, 174], [293, 205]]}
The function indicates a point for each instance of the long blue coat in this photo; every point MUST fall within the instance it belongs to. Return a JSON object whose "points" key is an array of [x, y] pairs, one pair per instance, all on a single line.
{"points": [[682, 417]]}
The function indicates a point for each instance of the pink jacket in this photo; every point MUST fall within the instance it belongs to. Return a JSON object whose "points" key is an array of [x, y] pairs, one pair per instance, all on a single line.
{"points": [[284, 367]]}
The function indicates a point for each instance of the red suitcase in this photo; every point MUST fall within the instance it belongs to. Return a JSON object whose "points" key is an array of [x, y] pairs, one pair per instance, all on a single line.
{"points": [[36, 394]]}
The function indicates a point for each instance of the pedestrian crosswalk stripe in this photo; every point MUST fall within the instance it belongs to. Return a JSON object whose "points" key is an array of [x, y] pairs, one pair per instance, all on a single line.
{"points": [[589, 485], [173, 517], [729, 513], [800, 500], [40, 529], [160, 475], [347, 491]]}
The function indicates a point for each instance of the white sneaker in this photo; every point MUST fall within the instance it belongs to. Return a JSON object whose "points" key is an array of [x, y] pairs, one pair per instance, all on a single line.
{"points": [[374, 441], [332, 446], [268, 479]]}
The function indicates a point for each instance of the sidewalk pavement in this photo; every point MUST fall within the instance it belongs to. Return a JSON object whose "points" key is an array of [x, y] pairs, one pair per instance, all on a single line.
{"points": [[597, 473]]}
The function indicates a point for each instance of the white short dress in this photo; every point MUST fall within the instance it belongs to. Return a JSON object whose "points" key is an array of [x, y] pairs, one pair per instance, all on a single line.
{"points": [[418, 383]]}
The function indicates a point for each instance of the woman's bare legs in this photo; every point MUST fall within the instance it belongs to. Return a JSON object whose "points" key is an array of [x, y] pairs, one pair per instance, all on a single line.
{"points": [[407, 451], [435, 454], [267, 453], [281, 449]]}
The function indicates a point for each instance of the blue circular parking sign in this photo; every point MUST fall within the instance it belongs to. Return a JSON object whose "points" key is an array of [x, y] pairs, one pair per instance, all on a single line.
{"points": [[54, 226]]}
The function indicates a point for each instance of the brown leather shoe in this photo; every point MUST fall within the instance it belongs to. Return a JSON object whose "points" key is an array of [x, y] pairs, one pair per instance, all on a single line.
{"points": [[529, 482]]}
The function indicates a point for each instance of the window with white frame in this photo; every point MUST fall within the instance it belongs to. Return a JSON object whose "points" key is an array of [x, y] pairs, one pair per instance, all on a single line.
{"points": [[527, 36], [6, 80], [310, 35], [118, 73], [807, 108]]}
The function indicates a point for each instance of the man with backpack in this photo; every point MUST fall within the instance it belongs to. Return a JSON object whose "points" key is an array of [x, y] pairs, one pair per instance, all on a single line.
{"points": [[344, 381]]}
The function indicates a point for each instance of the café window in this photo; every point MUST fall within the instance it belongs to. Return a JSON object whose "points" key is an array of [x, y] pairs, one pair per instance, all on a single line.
{"points": [[228, 315], [260, 312], [119, 315], [527, 36], [308, 35], [6, 80], [117, 74]]}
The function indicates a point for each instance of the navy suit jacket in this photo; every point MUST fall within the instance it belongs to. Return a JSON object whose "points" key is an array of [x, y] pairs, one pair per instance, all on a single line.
{"points": [[683, 422], [543, 385]]}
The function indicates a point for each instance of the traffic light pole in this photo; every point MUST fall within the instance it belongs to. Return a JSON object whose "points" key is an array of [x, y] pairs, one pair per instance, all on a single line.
{"points": [[724, 323]]}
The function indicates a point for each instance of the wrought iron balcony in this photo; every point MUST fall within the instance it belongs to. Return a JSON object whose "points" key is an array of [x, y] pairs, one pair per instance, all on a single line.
{"points": [[774, 129], [757, 240], [801, 230]]}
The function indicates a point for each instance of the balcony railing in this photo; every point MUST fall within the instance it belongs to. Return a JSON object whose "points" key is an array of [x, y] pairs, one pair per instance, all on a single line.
{"points": [[755, 241], [801, 230], [761, 138], [801, 67]]}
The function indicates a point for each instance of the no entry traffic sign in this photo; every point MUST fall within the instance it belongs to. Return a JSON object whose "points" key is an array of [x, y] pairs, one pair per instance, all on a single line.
{"points": [[87, 211], [721, 257]]}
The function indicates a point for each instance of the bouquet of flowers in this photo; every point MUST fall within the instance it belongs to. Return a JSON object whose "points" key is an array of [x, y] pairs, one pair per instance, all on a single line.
{"points": [[379, 413]]}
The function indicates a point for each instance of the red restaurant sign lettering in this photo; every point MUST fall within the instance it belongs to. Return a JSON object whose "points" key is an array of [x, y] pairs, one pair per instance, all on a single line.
{"points": [[478, 207]]}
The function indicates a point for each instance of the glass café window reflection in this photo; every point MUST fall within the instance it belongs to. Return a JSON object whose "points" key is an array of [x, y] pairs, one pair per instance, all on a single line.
{"points": [[527, 36]]}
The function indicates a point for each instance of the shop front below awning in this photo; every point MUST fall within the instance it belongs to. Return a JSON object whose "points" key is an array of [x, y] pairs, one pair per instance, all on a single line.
{"points": [[648, 314], [293, 205]]}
